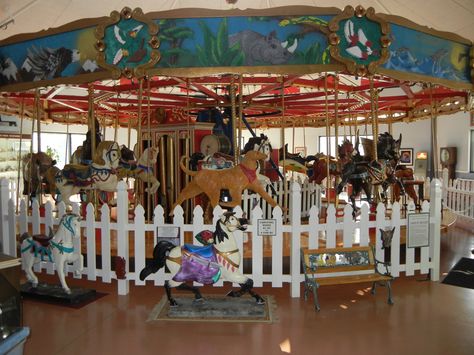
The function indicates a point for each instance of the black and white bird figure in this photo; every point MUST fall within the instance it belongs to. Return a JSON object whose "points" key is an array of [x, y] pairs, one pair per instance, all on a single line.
{"points": [[8, 70], [46, 63]]}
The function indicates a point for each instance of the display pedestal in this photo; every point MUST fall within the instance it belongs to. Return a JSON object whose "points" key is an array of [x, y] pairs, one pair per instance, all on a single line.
{"points": [[55, 294]]}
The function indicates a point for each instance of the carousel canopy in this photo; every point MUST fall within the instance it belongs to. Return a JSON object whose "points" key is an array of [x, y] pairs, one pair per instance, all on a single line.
{"points": [[203, 62], [25, 16]]}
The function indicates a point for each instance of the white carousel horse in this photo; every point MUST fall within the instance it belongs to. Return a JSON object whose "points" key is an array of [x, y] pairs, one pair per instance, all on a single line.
{"points": [[218, 259], [101, 174], [57, 248], [143, 169]]}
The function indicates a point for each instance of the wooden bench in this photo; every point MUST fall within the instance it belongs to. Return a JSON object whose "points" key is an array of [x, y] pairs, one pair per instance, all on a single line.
{"points": [[341, 263]]}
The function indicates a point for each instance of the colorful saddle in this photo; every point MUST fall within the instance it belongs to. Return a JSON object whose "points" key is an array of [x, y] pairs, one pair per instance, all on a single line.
{"points": [[198, 263]]}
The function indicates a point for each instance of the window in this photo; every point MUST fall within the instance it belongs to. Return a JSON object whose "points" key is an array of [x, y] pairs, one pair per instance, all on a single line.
{"points": [[59, 145], [332, 142]]}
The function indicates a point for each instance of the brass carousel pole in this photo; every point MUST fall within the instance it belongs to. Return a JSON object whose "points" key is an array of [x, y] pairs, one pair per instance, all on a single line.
{"points": [[375, 133], [373, 108], [38, 125], [241, 109], [91, 123], [22, 116], [116, 123], [390, 123], [234, 120], [282, 139], [434, 133], [38, 118], [35, 113], [328, 138], [149, 145], [139, 195], [336, 131]]}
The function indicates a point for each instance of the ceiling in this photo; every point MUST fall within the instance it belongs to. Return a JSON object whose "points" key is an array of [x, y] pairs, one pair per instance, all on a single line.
{"points": [[309, 100]]}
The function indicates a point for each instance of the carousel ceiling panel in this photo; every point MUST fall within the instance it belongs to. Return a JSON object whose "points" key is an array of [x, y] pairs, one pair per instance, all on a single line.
{"points": [[35, 15], [270, 100]]}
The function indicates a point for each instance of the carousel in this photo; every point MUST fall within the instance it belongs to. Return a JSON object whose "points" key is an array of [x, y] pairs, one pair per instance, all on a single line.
{"points": [[215, 100]]}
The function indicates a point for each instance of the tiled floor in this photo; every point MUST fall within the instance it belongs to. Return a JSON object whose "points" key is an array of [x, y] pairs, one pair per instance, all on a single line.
{"points": [[427, 318]]}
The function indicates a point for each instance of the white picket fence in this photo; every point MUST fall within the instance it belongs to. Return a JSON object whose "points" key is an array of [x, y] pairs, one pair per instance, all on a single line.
{"points": [[310, 196], [458, 198], [117, 235]]}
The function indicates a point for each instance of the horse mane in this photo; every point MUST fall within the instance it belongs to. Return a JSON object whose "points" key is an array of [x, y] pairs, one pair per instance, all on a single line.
{"points": [[255, 140], [104, 145], [65, 221], [220, 234]]}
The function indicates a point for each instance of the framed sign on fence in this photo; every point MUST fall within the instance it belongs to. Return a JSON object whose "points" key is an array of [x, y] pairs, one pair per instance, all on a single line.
{"points": [[418, 230]]}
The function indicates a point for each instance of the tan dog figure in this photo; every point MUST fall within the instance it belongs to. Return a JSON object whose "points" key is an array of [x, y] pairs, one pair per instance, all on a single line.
{"points": [[236, 180]]}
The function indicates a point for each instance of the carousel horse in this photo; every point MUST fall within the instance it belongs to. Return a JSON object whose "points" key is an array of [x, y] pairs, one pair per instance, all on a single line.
{"points": [[219, 258], [405, 174], [236, 180], [34, 168], [57, 248], [76, 157], [292, 161], [86, 152], [142, 168], [50, 178], [363, 172], [317, 172], [101, 174], [261, 144]]}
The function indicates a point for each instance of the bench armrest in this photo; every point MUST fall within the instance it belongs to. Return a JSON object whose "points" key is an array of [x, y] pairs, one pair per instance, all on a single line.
{"points": [[385, 264]]}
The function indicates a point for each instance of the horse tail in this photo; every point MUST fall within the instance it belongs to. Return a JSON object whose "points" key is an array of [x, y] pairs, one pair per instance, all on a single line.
{"points": [[184, 168], [160, 253]]}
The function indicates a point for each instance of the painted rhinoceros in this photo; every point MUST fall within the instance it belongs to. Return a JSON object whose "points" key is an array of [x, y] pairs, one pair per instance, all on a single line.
{"points": [[259, 49]]}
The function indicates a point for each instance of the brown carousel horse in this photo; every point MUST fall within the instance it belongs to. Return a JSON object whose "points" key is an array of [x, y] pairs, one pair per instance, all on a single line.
{"points": [[34, 168], [405, 174], [317, 172]]}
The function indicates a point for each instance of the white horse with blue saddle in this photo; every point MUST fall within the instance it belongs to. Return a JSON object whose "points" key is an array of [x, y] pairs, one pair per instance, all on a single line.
{"points": [[57, 248]]}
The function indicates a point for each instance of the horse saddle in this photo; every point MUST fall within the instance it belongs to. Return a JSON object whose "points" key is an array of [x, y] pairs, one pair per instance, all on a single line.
{"points": [[199, 263], [43, 239], [79, 174]]}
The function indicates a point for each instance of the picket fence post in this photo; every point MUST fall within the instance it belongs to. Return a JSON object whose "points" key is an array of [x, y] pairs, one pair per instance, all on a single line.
{"points": [[122, 235], [295, 220], [435, 225]]}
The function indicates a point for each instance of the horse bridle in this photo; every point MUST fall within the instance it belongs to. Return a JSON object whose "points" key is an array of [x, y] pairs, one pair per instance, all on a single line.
{"points": [[109, 152]]}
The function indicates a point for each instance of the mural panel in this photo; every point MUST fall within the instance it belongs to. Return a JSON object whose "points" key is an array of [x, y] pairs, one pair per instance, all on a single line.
{"points": [[237, 41], [421, 53]]}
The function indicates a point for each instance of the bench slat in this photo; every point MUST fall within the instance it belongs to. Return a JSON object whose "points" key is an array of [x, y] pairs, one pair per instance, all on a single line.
{"points": [[339, 280]]}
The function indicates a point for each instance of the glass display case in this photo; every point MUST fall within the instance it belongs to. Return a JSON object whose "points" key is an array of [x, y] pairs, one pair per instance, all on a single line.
{"points": [[11, 316]]}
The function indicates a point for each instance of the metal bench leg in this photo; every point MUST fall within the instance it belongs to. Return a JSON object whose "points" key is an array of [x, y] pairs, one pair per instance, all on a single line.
{"points": [[374, 285], [306, 290], [389, 286], [315, 297]]}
